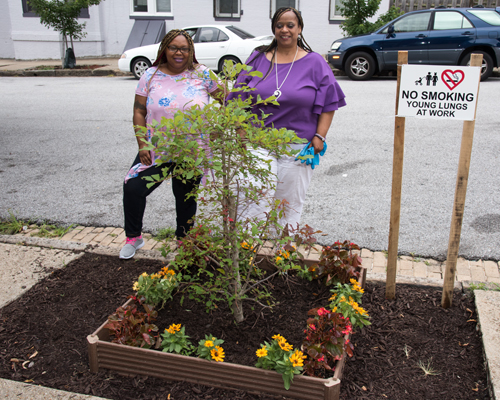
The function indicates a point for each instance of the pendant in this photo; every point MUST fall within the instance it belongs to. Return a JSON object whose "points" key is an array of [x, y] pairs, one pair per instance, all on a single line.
{"points": [[277, 93]]}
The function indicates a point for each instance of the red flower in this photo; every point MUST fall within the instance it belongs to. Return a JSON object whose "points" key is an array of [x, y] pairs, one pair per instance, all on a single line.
{"points": [[322, 358], [323, 311]]}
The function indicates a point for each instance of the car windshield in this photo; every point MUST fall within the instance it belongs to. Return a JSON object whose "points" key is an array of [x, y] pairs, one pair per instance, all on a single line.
{"points": [[240, 32], [489, 16]]}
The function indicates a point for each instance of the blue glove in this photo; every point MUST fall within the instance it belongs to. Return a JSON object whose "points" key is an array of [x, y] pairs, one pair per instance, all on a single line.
{"points": [[307, 155]]}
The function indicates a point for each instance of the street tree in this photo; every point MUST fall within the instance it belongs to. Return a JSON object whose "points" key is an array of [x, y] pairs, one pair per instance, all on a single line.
{"points": [[62, 16]]}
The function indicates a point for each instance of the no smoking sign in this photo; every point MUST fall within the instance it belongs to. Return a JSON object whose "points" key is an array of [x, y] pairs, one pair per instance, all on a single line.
{"points": [[429, 91]]}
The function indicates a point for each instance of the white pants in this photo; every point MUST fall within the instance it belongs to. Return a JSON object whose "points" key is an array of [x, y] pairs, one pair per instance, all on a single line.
{"points": [[293, 179]]}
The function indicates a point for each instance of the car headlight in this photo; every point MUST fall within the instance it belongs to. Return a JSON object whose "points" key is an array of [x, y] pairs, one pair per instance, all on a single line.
{"points": [[335, 46]]}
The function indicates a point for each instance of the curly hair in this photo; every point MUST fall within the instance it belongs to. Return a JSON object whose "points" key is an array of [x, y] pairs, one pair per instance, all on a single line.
{"points": [[274, 44]]}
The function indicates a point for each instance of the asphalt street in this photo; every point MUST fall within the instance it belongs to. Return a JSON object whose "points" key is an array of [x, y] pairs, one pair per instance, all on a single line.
{"points": [[66, 144]]}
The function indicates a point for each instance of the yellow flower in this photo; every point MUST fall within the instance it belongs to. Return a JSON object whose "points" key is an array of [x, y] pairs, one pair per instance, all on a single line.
{"points": [[173, 328], [261, 352], [144, 274], [285, 346], [333, 297], [297, 358], [354, 282], [278, 259], [334, 309], [136, 286], [209, 343], [245, 245], [155, 276], [217, 354], [278, 337]]}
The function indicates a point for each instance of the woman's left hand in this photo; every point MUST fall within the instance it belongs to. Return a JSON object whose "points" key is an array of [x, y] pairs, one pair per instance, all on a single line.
{"points": [[318, 145]]}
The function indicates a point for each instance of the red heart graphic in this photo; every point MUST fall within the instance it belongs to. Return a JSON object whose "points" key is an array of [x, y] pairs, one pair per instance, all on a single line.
{"points": [[450, 78]]}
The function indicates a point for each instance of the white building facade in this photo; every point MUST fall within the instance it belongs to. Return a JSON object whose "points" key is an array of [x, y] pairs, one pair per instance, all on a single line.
{"points": [[114, 25]]}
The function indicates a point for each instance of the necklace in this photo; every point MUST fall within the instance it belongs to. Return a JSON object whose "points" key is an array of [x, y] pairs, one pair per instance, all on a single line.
{"points": [[277, 92]]}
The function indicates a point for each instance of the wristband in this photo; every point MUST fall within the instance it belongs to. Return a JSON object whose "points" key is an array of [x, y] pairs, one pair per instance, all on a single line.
{"points": [[320, 137]]}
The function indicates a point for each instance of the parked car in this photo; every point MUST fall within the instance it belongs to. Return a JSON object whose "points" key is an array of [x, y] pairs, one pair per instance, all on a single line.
{"points": [[213, 45], [440, 36]]}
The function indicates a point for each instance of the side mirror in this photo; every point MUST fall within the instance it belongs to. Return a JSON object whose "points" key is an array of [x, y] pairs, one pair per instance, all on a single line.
{"points": [[390, 30]]}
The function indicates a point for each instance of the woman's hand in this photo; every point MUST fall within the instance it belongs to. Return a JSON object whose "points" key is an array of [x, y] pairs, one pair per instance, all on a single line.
{"points": [[145, 157], [318, 144]]}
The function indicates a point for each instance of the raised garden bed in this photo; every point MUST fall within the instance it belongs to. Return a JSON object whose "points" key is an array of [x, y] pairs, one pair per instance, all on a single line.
{"points": [[130, 360]]}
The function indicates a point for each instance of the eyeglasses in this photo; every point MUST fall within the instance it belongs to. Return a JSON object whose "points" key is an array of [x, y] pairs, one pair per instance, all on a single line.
{"points": [[173, 49]]}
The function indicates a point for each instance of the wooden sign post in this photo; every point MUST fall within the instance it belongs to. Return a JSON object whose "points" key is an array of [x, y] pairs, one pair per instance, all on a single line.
{"points": [[397, 182], [459, 202], [429, 91]]}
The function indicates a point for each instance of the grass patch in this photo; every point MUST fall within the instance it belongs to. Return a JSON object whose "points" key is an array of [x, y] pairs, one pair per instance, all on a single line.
{"points": [[164, 234]]}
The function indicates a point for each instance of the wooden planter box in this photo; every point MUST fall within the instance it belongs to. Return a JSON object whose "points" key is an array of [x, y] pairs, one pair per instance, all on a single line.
{"points": [[130, 360]]}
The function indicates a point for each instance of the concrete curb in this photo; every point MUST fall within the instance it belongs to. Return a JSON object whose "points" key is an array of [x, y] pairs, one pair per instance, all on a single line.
{"points": [[64, 73]]}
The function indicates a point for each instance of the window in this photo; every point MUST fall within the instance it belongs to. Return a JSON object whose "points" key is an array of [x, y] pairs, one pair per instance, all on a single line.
{"points": [[277, 4], [208, 35], [240, 32], [335, 9], [411, 23], [227, 8], [489, 16], [29, 12], [450, 20], [151, 7]]}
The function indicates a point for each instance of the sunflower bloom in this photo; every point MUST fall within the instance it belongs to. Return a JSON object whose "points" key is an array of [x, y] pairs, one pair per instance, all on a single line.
{"points": [[217, 354], [262, 352], [209, 343], [297, 358]]}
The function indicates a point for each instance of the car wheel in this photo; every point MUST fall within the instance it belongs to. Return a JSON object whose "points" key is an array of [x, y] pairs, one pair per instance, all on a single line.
{"points": [[223, 59], [360, 66], [139, 66], [487, 66]]}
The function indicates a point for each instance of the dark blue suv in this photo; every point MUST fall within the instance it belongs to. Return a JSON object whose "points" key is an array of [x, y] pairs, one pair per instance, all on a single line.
{"points": [[440, 36]]}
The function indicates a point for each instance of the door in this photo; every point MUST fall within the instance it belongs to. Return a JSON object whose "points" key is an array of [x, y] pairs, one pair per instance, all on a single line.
{"points": [[211, 44], [411, 34], [451, 33]]}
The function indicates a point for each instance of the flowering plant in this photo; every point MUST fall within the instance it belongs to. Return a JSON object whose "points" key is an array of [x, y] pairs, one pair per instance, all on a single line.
{"points": [[337, 263], [132, 327], [325, 340], [210, 349], [280, 356], [156, 288], [346, 299], [175, 340]]}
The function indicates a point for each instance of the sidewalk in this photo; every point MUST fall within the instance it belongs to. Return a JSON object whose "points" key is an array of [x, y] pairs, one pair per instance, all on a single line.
{"points": [[11, 67], [23, 255], [410, 269]]}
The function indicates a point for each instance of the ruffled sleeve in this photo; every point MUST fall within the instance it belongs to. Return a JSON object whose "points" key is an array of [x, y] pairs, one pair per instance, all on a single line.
{"points": [[329, 95]]}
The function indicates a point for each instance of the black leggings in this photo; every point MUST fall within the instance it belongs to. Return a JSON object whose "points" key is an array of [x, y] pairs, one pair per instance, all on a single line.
{"points": [[134, 200]]}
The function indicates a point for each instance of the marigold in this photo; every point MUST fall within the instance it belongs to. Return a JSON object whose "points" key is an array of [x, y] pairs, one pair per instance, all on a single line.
{"points": [[297, 358], [173, 328], [262, 352], [209, 343], [217, 354], [285, 346]]}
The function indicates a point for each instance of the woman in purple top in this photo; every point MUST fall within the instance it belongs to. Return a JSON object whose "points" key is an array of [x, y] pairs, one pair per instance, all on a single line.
{"points": [[308, 96]]}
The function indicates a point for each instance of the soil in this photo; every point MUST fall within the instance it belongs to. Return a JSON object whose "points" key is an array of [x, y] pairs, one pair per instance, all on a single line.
{"points": [[51, 67], [48, 325]]}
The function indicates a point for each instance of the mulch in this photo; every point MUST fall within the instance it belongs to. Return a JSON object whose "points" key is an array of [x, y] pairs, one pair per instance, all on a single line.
{"points": [[44, 336]]}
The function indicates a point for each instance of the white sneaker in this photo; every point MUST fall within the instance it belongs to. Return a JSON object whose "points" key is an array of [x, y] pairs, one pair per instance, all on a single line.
{"points": [[131, 245]]}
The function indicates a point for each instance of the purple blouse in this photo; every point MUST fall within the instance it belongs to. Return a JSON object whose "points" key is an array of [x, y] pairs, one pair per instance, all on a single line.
{"points": [[309, 90]]}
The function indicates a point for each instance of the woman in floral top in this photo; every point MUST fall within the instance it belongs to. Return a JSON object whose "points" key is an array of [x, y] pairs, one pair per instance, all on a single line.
{"points": [[175, 81]]}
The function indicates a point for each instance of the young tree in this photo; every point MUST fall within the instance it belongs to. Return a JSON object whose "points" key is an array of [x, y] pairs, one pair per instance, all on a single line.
{"points": [[357, 13], [62, 15]]}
